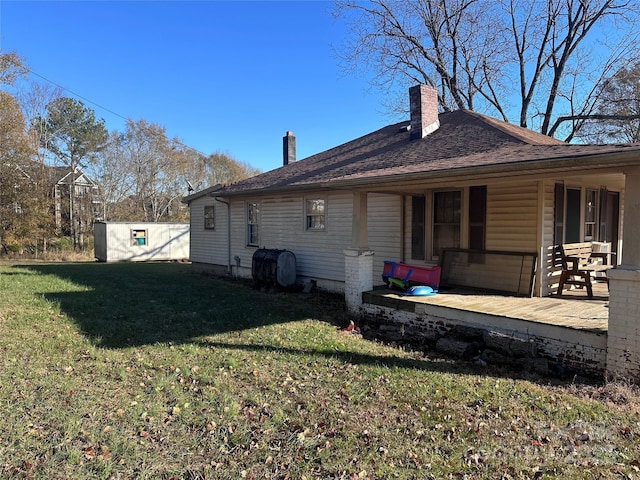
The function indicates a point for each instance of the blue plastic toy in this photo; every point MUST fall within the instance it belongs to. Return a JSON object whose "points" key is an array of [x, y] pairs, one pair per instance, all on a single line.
{"points": [[420, 291]]}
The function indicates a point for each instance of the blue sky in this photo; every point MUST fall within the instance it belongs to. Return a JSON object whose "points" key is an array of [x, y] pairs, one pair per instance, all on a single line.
{"points": [[220, 76]]}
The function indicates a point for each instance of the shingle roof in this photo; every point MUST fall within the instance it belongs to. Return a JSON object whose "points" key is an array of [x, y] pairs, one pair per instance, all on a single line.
{"points": [[465, 139], [201, 193]]}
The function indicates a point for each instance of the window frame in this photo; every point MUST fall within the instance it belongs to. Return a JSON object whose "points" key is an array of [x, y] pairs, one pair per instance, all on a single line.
{"points": [[591, 219], [209, 219], [308, 215], [136, 237], [253, 222], [435, 224], [571, 216], [418, 227]]}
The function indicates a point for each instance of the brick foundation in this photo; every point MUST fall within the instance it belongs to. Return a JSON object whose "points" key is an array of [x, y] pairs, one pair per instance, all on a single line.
{"points": [[623, 345]]}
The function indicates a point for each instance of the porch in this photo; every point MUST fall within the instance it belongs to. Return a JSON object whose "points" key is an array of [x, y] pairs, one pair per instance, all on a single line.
{"points": [[569, 332], [573, 310], [599, 336]]}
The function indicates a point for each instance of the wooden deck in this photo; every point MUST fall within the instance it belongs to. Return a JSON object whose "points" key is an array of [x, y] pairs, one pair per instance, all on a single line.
{"points": [[572, 310]]}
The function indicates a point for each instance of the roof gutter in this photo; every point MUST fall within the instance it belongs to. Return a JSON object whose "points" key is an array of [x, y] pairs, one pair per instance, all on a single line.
{"points": [[631, 159], [523, 168]]}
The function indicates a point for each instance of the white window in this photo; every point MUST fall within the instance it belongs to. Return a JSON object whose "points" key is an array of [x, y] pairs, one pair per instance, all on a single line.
{"points": [[253, 224], [315, 214], [209, 217], [590, 214]]}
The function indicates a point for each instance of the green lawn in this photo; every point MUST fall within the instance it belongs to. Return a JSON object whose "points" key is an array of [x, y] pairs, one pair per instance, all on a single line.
{"points": [[150, 371]]}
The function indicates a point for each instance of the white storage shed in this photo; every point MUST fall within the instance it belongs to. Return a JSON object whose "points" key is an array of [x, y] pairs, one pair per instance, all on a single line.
{"points": [[140, 241]]}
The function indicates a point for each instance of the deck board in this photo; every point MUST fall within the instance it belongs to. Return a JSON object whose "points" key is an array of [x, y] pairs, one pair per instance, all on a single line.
{"points": [[573, 309]]}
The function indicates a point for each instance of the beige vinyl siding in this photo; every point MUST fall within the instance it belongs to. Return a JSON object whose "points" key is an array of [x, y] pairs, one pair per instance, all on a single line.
{"points": [[281, 222], [322, 252], [239, 246], [548, 275], [385, 231], [618, 259], [319, 254], [512, 217], [511, 226], [208, 246]]}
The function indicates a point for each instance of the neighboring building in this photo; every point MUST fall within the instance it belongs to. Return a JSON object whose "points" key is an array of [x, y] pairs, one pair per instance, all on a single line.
{"points": [[408, 190], [72, 196], [140, 241], [76, 200]]}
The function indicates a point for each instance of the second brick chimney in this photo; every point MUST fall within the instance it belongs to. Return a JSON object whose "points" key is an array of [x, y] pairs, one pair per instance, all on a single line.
{"points": [[288, 149], [423, 105]]}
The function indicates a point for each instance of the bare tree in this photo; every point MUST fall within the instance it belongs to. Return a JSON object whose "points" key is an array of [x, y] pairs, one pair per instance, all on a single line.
{"points": [[33, 98], [538, 63], [112, 172], [616, 116], [143, 174]]}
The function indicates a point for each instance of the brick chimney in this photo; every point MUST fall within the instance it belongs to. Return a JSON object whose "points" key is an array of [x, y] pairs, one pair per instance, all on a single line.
{"points": [[423, 105], [288, 149]]}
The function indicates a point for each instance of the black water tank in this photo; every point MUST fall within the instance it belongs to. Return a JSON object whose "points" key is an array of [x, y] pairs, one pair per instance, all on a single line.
{"points": [[274, 267]]}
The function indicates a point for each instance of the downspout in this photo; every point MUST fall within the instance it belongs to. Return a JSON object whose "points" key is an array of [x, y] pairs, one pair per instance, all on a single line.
{"points": [[217, 199], [403, 200]]}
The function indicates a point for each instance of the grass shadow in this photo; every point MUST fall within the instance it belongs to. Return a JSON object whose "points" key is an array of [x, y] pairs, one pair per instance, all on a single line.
{"points": [[129, 304], [353, 357], [135, 304]]}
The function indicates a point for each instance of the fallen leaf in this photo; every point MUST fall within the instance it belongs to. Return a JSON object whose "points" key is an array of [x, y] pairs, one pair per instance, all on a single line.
{"points": [[105, 453], [89, 453]]}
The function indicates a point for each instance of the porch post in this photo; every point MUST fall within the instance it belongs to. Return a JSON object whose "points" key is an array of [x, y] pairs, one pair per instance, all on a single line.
{"points": [[358, 259], [623, 341]]}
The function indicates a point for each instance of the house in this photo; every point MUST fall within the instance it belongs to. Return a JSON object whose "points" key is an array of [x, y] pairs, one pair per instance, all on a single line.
{"points": [[140, 241], [413, 190], [76, 199], [72, 197]]}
